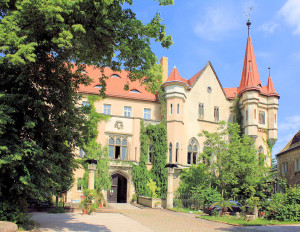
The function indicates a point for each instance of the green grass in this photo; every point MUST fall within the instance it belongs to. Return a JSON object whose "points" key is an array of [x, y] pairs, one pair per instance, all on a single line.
{"points": [[242, 222]]}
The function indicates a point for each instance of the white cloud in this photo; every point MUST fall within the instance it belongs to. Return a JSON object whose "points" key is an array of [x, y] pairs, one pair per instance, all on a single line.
{"points": [[269, 27], [291, 13], [217, 23], [286, 130]]}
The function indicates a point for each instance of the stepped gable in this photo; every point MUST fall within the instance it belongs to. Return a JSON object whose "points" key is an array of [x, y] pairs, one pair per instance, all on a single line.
{"points": [[115, 85]]}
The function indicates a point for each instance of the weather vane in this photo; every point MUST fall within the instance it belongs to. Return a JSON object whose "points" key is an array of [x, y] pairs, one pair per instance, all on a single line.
{"points": [[248, 13]]}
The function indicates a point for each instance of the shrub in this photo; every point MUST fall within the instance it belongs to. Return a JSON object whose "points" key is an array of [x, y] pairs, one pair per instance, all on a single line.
{"points": [[57, 210], [284, 206]]}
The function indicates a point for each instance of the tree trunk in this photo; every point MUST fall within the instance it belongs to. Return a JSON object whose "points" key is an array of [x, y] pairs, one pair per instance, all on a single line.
{"points": [[56, 201]]}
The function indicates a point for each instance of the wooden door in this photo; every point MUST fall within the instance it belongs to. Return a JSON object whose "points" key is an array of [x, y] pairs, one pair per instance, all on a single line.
{"points": [[112, 194]]}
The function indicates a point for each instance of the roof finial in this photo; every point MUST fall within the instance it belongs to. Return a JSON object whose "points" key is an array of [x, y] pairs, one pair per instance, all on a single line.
{"points": [[249, 65], [269, 71], [248, 22]]}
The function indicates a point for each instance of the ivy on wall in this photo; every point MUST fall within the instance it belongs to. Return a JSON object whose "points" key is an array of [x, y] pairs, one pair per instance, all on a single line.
{"points": [[156, 137], [95, 150], [238, 116]]}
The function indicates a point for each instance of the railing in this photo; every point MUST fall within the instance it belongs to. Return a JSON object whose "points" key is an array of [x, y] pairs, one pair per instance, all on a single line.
{"points": [[187, 200]]}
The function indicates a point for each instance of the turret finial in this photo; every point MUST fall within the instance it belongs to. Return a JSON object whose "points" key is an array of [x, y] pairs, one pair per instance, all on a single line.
{"points": [[248, 24], [269, 71]]}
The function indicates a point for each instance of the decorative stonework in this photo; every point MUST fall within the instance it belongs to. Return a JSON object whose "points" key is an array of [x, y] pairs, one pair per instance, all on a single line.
{"points": [[119, 125]]}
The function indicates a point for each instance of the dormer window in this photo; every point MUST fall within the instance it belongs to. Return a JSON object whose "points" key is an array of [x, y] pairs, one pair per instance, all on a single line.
{"points": [[115, 75], [98, 86], [134, 91]]}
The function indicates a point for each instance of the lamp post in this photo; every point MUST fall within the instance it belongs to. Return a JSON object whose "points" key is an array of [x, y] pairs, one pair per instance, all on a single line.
{"points": [[170, 193], [92, 165]]}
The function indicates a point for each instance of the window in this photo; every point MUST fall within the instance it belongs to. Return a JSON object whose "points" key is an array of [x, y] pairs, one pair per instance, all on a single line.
{"points": [[297, 164], [107, 109], [171, 108], [79, 186], [284, 167], [150, 155], [261, 117], [216, 113], [177, 108], [115, 75], [84, 103], [147, 113], [261, 156], [134, 91], [255, 114], [177, 153], [246, 115], [127, 111], [192, 151], [81, 153], [201, 110], [117, 147], [170, 153]]}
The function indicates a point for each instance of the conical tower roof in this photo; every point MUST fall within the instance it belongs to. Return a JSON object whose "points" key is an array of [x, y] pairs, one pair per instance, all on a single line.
{"points": [[250, 77], [270, 87], [175, 77]]}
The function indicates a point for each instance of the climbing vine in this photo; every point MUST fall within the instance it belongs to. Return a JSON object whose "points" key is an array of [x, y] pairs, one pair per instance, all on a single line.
{"points": [[156, 137], [94, 150], [238, 116]]}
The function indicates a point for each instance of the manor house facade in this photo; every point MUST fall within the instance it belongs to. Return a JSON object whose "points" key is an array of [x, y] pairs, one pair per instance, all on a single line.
{"points": [[193, 104]]}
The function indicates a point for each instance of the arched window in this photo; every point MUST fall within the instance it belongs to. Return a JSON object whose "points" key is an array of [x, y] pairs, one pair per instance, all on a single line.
{"points": [[261, 156], [177, 153], [193, 149], [171, 109], [177, 108], [170, 153]]}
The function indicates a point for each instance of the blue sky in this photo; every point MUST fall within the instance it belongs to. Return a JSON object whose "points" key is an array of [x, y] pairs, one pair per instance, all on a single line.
{"points": [[215, 31]]}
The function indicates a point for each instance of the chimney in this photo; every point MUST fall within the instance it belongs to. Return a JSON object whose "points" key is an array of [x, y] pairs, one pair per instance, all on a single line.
{"points": [[164, 65]]}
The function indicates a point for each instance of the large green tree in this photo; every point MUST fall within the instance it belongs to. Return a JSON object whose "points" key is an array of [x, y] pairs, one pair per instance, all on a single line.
{"points": [[44, 46]]}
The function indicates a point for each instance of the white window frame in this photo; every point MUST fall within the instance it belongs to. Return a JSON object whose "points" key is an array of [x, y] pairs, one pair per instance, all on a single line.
{"points": [[127, 111], [150, 113], [104, 109]]}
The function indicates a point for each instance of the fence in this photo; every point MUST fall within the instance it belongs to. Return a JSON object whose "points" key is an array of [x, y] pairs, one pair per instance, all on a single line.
{"points": [[187, 200]]}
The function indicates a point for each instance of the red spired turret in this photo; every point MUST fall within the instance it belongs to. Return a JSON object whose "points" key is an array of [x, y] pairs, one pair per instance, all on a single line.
{"points": [[250, 77], [270, 87]]}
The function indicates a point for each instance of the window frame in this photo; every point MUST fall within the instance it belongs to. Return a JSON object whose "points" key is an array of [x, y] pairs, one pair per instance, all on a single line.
{"points": [[112, 147], [262, 117], [201, 110], [216, 113], [126, 111], [105, 109], [150, 113]]}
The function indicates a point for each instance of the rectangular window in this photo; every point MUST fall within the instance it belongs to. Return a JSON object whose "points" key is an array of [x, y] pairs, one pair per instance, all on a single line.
{"points": [[150, 155], [246, 115], [285, 167], [216, 113], [81, 153], [79, 186], [107, 109], [84, 103], [261, 117], [297, 164], [255, 114], [147, 114], [127, 111], [201, 110]]}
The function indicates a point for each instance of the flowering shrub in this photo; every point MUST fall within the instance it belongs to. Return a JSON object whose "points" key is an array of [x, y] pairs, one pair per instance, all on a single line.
{"points": [[285, 206]]}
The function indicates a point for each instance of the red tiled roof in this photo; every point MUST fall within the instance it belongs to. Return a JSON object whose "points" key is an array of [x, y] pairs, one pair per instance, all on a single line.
{"points": [[175, 77], [250, 77], [192, 80], [115, 85], [231, 93]]}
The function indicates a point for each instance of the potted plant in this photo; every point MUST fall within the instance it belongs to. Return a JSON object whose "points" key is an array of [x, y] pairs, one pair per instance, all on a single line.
{"points": [[87, 204], [100, 199], [134, 198], [224, 205]]}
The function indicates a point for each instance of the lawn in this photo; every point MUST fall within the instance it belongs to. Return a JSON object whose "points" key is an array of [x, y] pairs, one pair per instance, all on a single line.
{"points": [[233, 220]]}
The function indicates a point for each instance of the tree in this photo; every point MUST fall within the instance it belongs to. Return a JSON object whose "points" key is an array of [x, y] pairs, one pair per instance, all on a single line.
{"points": [[233, 163], [45, 46]]}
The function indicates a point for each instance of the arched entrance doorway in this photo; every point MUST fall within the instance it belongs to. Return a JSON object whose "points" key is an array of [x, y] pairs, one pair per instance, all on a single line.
{"points": [[118, 191]]}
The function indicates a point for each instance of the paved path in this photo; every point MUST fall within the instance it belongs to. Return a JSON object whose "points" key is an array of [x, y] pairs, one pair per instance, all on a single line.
{"points": [[125, 217]]}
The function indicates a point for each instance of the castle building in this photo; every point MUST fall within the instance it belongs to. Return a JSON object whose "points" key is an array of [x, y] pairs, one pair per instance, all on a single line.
{"points": [[193, 105]]}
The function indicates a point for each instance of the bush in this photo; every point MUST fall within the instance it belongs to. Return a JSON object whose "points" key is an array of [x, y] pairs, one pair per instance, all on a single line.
{"points": [[57, 210], [285, 206]]}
